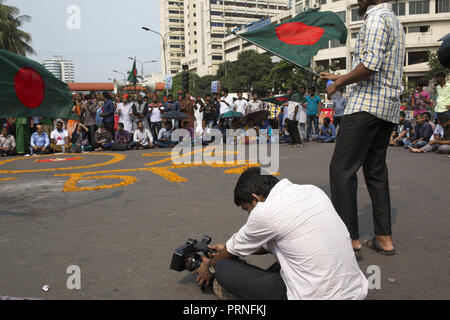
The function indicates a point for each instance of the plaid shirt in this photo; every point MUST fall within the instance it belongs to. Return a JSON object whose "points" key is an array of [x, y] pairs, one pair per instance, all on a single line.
{"points": [[274, 110], [380, 47]]}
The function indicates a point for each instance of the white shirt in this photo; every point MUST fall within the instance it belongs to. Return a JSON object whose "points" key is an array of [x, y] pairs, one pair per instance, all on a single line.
{"points": [[123, 110], [254, 105], [223, 106], [145, 136], [59, 137], [439, 131], [240, 105], [155, 114], [291, 111], [300, 227]]}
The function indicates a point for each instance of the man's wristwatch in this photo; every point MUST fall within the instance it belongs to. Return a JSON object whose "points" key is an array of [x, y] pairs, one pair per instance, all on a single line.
{"points": [[211, 268]]}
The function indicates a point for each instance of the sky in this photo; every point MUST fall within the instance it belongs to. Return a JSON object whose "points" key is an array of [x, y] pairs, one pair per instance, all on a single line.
{"points": [[109, 32]]}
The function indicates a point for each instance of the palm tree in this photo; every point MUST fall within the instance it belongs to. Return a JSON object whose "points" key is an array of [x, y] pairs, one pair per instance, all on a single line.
{"points": [[11, 37]]}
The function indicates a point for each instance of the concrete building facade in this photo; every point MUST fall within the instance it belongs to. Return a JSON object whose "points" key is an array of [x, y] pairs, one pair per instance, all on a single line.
{"points": [[62, 69], [424, 22]]}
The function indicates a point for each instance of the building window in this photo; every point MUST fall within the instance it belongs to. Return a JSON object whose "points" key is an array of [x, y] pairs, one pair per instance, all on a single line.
{"points": [[232, 49], [336, 43], [417, 57], [216, 46], [174, 20], [217, 35], [323, 63], [356, 16], [217, 58], [216, 24], [342, 15], [339, 63], [399, 8], [354, 35], [419, 7], [442, 6], [419, 29]]}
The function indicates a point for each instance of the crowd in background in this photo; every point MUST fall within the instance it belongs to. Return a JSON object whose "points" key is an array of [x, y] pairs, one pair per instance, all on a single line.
{"points": [[122, 122]]}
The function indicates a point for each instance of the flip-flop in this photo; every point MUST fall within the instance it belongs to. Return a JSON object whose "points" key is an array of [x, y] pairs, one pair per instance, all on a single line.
{"points": [[376, 246]]}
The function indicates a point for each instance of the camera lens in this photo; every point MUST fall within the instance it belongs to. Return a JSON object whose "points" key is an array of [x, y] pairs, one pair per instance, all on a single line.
{"points": [[193, 263]]}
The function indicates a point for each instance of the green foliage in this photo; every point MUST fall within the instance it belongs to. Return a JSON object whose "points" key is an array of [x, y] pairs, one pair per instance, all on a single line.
{"points": [[11, 37], [435, 66]]}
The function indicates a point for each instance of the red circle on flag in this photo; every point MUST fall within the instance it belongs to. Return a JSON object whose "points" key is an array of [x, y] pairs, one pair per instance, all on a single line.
{"points": [[297, 33], [29, 87]]}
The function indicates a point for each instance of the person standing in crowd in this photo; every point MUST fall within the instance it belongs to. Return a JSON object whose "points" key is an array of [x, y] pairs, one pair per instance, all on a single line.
{"points": [[373, 109], [209, 111], [165, 136], [77, 110], [254, 104], [22, 135], [107, 113], [401, 131], [122, 139], [226, 102], [155, 110], [292, 117], [439, 143], [198, 114], [314, 110], [421, 135], [125, 112], [79, 138], [142, 138], [443, 95], [59, 138], [89, 110], [170, 105], [7, 143], [327, 133], [140, 110], [240, 105], [420, 99], [187, 106], [103, 138], [39, 141], [339, 105], [275, 111]]}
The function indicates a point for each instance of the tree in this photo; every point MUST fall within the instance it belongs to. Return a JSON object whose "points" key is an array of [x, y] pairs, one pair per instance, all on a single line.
{"points": [[11, 37], [435, 66]]}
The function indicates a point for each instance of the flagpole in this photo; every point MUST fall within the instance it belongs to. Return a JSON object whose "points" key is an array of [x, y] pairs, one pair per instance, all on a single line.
{"points": [[301, 67]]}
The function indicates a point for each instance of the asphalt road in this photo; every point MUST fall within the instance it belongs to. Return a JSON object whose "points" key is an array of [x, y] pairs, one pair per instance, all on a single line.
{"points": [[123, 238]]}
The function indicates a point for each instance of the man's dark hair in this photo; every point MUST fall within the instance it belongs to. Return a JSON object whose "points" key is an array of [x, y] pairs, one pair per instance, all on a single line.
{"points": [[443, 118], [62, 123], [225, 90], [207, 95], [140, 122], [440, 75], [327, 120], [121, 125], [427, 114], [252, 181], [107, 95], [402, 114]]}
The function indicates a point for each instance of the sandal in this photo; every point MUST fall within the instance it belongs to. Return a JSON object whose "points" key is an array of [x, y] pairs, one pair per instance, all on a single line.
{"points": [[374, 245]]}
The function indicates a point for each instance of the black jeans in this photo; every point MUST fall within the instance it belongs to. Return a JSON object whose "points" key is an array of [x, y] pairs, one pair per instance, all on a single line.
{"points": [[155, 127], [249, 282], [92, 130], [337, 121], [312, 120], [293, 132], [362, 141], [109, 126]]}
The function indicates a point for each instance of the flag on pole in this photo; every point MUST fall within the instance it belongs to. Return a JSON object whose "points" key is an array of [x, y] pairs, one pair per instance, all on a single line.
{"points": [[27, 89], [133, 74], [299, 39]]}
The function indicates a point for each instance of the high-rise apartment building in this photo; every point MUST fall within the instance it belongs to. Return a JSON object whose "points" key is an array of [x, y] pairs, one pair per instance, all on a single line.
{"points": [[205, 23], [61, 69]]}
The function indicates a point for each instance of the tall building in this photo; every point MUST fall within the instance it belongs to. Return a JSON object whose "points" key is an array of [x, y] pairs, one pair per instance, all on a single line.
{"points": [[205, 23], [62, 69], [424, 21], [172, 27]]}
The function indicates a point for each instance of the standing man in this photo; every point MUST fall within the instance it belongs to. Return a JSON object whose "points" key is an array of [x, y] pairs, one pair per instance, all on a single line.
{"points": [[125, 112], [254, 104], [314, 109], [443, 95], [339, 105], [89, 110], [107, 113], [154, 114], [140, 110], [366, 127], [420, 99], [226, 102], [240, 105], [22, 135]]}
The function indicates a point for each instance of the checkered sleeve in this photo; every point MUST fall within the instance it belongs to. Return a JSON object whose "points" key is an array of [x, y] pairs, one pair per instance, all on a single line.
{"points": [[375, 43]]}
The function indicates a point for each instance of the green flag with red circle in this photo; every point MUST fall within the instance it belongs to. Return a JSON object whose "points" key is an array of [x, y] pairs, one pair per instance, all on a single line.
{"points": [[27, 89], [300, 38]]}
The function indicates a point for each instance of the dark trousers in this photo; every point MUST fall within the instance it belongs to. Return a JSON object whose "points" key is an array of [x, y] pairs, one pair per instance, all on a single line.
{"points": [[109, 126], [337, 121], [249, 282], [293, 132], [92, 130], [155, 127], [362, 141], [312, 120]]}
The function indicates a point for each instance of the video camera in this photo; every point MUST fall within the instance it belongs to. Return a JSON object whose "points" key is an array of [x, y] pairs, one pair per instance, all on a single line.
{"points": [[187, 257]]}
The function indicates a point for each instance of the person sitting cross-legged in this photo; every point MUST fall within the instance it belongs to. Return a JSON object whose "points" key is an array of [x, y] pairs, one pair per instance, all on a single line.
{"points": [[39, 142], [103, 138], [7, 143], [80, 138], [59, 138], [142, 138], [440, 144], [165, 136], [328, 132], [422, 134], [401, 130], [122, 139]]}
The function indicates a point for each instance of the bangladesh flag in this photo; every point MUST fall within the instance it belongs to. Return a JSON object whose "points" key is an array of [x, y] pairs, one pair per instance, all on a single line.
{"points": [[27, 89], [133, 74], [299, 39], [278, 100]]}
